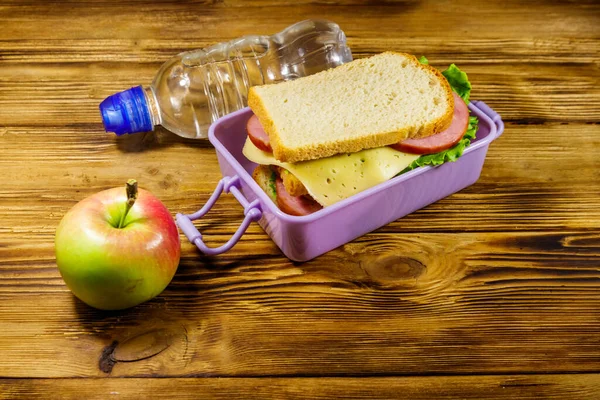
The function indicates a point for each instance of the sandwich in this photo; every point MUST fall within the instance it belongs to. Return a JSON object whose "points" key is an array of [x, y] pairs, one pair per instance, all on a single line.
{"points": [[320, 139]]}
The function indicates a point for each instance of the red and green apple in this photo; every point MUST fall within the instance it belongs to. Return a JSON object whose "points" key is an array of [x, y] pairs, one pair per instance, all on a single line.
{"points": [[117, 248]]}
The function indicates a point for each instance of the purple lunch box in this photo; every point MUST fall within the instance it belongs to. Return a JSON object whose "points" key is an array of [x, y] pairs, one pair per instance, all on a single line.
{"points": [[306, 237]]}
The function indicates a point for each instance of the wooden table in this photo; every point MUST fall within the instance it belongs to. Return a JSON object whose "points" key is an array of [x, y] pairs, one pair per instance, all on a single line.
{"points": [[493, 292]]}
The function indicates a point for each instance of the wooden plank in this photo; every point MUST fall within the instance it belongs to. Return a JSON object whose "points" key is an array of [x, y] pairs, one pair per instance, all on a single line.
{"points": [[384, 304], [58, 166], [462, 51], [465, 387], [54, 94], [134, 19]]}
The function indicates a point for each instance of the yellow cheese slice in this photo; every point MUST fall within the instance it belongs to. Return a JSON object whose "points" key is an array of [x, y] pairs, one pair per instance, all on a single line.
{"points": [[331, 179]]}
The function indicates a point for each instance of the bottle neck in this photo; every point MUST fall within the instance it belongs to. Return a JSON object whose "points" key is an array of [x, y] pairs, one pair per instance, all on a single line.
{"points": [[153, 106]]}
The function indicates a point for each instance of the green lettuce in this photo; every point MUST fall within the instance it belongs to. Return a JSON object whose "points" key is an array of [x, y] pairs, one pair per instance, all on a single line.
{"points": [[459, 82], [451, 154], [272, 183]]}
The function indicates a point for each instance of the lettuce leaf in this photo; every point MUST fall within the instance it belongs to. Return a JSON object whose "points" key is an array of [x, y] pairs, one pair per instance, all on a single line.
{"points": [[459, 81], [423, 60], [450, 154], [272, 183]]}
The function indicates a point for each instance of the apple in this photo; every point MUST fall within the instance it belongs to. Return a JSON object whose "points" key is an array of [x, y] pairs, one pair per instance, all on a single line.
{"points": [[117, 248]]}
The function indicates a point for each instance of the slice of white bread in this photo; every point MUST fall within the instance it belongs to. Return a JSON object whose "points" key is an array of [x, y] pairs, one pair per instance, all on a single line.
{"points": [[369, 102]]}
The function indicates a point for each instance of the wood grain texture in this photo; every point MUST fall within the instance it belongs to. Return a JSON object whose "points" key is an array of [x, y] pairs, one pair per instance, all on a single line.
{"points": [[230, 19], [518, 190], [408, 304], [532, 387], [523, 92], [492, 292]]}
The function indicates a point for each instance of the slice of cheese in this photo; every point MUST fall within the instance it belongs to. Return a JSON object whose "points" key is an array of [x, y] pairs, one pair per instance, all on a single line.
{"points": [[331, 179]]}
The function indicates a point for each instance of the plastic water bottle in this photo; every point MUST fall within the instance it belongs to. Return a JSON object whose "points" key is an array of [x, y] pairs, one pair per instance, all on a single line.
{"points": [[195, 88]]}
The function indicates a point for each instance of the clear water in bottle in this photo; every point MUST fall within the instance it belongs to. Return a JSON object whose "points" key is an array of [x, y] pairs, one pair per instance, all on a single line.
{"points": [[195, 88]]}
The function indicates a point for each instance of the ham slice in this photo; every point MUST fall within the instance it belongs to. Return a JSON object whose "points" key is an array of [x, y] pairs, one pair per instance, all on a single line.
{"points": [[257, 134], [294, 205], [443, 140]]}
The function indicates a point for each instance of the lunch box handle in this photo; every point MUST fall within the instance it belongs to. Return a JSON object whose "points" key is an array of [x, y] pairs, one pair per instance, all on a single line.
{"points": [[492, 114], [252, 212]]}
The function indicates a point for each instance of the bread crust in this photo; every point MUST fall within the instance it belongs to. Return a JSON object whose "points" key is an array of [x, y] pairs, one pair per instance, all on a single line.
{"points": [[321, 150], [262, 176]]}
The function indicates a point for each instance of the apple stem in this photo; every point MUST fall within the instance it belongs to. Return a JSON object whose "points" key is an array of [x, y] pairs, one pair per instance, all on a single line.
{"points": [[132, 193]]}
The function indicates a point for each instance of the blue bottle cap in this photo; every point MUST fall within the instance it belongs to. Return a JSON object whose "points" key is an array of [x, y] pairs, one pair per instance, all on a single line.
{"points": [[126, 112]]}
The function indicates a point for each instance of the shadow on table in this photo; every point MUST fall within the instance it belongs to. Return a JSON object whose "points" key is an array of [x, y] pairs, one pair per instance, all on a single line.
{"points": [[146, 335], [160, 138]]}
